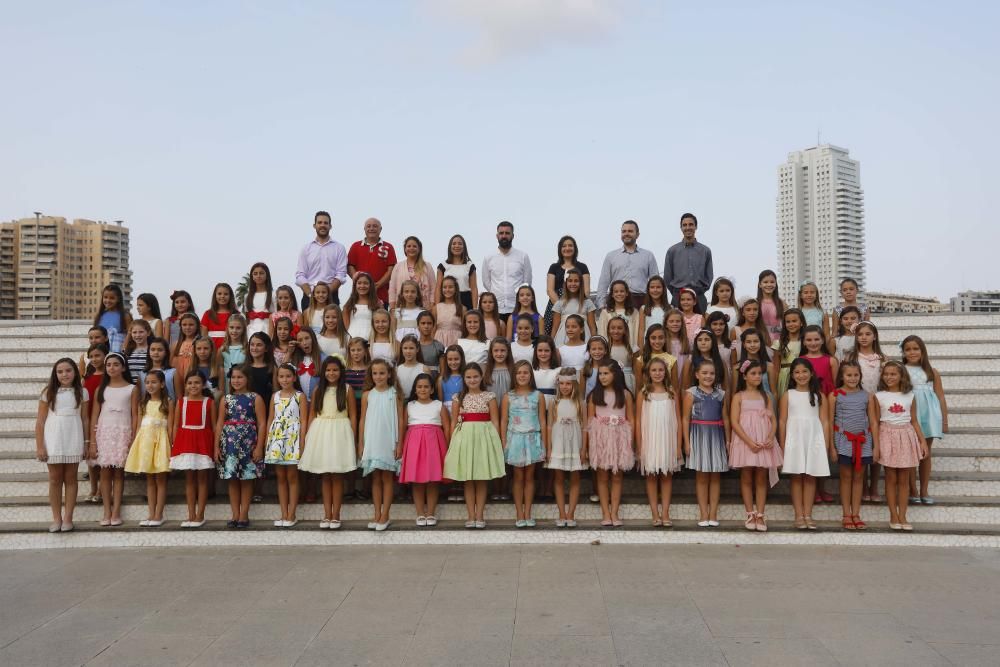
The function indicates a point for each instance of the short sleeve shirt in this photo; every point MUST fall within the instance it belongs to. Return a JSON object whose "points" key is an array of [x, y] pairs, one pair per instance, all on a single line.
{"points": [[375, 260]]}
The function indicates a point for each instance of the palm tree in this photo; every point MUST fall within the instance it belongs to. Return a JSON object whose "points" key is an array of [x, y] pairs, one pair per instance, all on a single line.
{"points": [[241, 292]]}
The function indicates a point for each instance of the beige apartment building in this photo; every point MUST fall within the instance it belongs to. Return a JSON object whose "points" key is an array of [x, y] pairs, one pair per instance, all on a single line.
{"points": [[52, 269]]}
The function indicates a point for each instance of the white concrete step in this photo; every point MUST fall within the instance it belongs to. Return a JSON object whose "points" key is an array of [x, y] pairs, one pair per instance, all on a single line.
{"points": [[936, 321], [967, 364], [969, 380], [21, 328], [889, 336], [65, 342], [37, 372], [41, 356], [635, 509], [961, 419]]}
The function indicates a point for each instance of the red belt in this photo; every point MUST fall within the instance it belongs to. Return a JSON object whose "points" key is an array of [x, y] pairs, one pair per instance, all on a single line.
{"points": [[856, 440], [258, 315], [475, 417], [708, 423]]}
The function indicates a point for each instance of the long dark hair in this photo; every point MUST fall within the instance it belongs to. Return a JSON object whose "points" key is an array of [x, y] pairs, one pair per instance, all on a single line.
{"points": [[715, 291], [213, 309], [765, 335], [815, 393], [841, 331], [609, 302], [252, 288], [166, 353], [718, 316], [464, 259], [925, 363], [176, 294], [351, 305], [164, 397], [764, 354], [554, 360], [120, 309], [576, 250], [459, 308], [815, 328], [268, 351], [471, 366], [103, 347], [53, 385], [840, 373], [779, 305], [785, 336], [648, 305], [106, 379], [713, 357], [617, 385], [647, 348], [413, 389], [741, 380], [319, 393], [152, 303]]}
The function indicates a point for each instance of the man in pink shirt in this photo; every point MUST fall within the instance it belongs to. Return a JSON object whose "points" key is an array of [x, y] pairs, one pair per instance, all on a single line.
{"points": [[322, 260], [373, 256]]}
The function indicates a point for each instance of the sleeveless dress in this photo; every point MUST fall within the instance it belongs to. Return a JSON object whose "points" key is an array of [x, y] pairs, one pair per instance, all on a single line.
{"points": [[450, 386], [729, 311], [756, 420], [571, 307], [150, 451], [330, 446], [491, 328], [661, 454], [329, 345], [682, 359], [114, 427], [794, 348], [355, 379], [805, 442], [814, 316], [316, 322], [769, 315], [500, 381], [898, 444], [449, 326], [194, 444], [63, 431], [239, 438], [656, 315], [381, 432], [476, 452], [524, 431], [406, 376], [545, 382], [824, 372], [707, 433], [231, 355], [567, 438], [168, 377], [610, 437], [361, 322], [424, 447], [871, 369], [282, 446], [461, 273], [112, 321], [850, 426], [520, 352], [258, 315], [185, 354], [844, 345], [692, 325], [406, 322], [624, 359], [474, 350], [928, 404], [573, 356], [383, 351], [217, 329]]}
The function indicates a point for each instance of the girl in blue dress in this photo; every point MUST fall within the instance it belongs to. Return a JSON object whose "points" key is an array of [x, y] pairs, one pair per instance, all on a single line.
{"points": [[239, 436], [932, 410], [383, 421], [706, 432], [113, 316], [522, 425]]}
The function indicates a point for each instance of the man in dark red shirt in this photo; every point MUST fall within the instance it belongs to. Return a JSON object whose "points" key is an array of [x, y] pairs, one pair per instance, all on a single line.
{"points": [[373, 256]]}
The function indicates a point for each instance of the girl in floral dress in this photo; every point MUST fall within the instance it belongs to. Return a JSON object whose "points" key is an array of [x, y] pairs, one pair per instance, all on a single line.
{"points": [[285, 435], [240, 431]]}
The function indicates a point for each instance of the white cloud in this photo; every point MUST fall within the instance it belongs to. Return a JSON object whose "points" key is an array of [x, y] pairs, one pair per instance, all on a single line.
{"points": [[516, 27]]}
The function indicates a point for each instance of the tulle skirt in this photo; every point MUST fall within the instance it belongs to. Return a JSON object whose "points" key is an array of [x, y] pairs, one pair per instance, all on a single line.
{"points": [[610, 445]]}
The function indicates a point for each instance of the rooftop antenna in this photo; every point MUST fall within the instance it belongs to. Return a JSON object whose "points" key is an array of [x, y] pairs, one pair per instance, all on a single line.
{"points": [[819, 136]]}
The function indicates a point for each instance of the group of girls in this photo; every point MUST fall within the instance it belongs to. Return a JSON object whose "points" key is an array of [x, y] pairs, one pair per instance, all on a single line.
{"points": [[440, 393]]}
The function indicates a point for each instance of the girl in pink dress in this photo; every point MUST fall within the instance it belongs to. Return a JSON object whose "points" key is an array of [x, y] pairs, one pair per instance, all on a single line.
{"points": [[900, 444], [753, 447], [422, 452], [491, 316], [772, 308], [448, 313], [610, 414]]}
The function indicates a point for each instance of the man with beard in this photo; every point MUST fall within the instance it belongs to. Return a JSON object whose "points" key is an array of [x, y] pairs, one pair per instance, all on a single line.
{"points": [[630, 263], [322, 260], [506, 270]]}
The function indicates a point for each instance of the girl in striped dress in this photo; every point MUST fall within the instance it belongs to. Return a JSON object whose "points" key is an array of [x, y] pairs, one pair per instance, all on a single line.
{"points": [[854, 411]]}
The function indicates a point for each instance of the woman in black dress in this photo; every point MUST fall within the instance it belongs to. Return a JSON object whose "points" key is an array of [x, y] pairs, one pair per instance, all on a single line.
{"points": [[567, 258]]}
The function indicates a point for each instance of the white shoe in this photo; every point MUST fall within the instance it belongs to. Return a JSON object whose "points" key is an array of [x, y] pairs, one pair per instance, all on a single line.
{"points": [[372, 525], [480, 524], [704, 524], [289, 524], [324, 524], [713, 523], [421, 521], [470, 524], [594, 498], [560, 523], [144, 523], [570, 523], [379, 527], [196, 524], [278, 523], [152, 523], [432, 521], [186, 524], [334, 525]]}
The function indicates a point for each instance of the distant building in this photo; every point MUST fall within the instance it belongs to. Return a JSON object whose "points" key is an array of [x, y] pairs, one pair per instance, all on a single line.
{"points": [[820, 222], [54, 269], [880, 302], [976, 302]]}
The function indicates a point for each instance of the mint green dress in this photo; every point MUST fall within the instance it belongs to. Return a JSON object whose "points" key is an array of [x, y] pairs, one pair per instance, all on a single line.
{"points": [[475, 452]]}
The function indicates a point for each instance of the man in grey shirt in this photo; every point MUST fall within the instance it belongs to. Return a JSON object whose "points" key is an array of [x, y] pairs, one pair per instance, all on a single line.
{"points": [[688, 263], [630, 263]]}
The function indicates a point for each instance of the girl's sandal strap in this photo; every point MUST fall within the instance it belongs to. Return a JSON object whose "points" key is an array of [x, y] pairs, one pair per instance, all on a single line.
{"points": [[858, 523], [848, 522]]}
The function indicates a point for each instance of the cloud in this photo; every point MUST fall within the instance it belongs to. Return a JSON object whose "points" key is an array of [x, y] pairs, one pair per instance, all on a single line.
{"points": [[516, 27]]}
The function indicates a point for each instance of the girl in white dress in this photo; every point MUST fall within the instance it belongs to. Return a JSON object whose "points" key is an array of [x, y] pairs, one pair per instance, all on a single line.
{"points": [[259, 302], [331, 336], [573, 351], [655, 309], [657, 412], [567, 445], [804, 430], [360, 306], [473, 341], [59, 438], [523, 346]]}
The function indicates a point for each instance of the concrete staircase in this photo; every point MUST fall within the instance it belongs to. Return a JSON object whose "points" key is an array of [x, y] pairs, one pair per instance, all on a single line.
{"points": [[966, 480]]}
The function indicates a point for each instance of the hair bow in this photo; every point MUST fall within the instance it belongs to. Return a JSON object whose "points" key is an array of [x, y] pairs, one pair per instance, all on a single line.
{"points": [[744, 366], [304, 369]]}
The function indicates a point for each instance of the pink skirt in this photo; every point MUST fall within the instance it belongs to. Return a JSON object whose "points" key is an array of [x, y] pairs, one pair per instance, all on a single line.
{"points": [[758, 427], [899, 446], [423, 454], [610, 445]]}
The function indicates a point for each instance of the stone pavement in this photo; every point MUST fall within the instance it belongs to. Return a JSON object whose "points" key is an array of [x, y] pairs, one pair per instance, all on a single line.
{"points": [[464, 605]]}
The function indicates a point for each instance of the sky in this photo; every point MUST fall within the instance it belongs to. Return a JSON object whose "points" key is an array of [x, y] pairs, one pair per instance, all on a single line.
{"points": [[216, 130]]}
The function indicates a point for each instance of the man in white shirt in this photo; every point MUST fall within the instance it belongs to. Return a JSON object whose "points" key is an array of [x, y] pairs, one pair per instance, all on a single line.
{"points": [[506, 270]]}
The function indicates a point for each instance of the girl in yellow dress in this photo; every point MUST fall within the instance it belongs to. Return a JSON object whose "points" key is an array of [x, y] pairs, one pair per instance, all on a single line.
{"points": [[150, 451]]}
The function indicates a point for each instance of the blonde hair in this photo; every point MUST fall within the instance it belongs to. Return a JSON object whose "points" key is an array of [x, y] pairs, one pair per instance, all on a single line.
{"points": [[575, 395]]}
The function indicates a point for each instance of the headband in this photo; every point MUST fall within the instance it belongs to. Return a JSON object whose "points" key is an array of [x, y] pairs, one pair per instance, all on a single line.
{"points": [[117, 354], [687, 289], [744, 366]]}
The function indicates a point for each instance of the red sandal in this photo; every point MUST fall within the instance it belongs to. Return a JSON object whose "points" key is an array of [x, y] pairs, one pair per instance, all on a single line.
{"points": [[858, 523], [847, 523]]}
